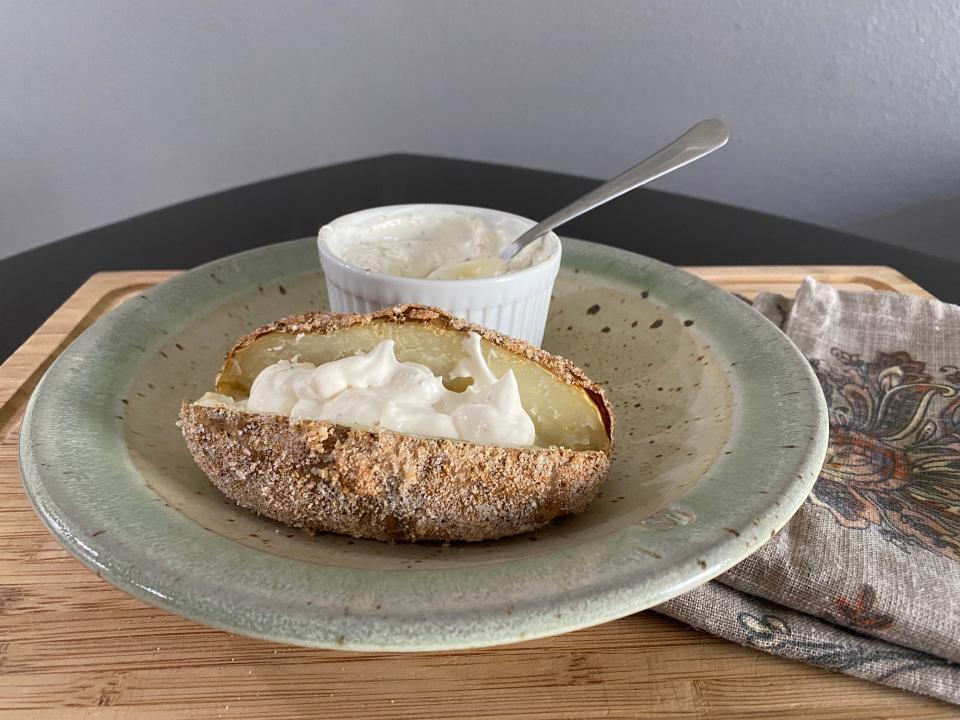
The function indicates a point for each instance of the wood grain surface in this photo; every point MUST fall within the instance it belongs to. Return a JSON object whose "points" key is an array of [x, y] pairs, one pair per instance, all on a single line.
{"points": [[73, 646]]}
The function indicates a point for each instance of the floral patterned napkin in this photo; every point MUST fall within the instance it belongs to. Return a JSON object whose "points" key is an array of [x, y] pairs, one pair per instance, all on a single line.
{"points": [[865, 578]]}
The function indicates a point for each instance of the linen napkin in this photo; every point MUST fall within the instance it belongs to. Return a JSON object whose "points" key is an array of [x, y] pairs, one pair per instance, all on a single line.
{"points": [[865, 578]]}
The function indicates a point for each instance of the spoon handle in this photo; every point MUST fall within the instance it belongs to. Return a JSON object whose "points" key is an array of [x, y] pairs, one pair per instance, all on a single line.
{"points": [[702, 139]]}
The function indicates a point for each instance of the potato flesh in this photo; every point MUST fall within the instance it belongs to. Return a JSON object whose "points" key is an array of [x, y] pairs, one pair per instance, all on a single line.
{"points": [[564, 415]]}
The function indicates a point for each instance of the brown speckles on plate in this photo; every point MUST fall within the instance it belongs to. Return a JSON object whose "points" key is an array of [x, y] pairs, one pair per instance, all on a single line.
{"points": [[605, 329], [282, 289], [656, 323], [687, 323], [650, 553], [593, 310]]}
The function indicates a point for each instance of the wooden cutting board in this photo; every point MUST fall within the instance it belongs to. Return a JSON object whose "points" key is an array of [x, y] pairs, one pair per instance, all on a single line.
{"points": [[73, 646]]}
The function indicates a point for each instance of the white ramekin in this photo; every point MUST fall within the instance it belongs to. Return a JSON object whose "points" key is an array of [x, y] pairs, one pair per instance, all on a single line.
{"points": [[515, 304]]}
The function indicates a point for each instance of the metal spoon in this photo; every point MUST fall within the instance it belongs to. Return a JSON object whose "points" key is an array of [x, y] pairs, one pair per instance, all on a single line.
{"points": [[702, 139]]}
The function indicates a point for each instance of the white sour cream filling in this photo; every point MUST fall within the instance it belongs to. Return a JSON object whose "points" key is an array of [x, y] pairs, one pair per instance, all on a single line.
{"points": [[375, 390]]}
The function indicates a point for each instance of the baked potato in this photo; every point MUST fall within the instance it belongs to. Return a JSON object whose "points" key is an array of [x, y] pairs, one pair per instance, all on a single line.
{"points": [[385, 485]]}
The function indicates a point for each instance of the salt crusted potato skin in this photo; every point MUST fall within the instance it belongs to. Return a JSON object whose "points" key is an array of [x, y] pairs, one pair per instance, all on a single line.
{"points": [[385, 485]]}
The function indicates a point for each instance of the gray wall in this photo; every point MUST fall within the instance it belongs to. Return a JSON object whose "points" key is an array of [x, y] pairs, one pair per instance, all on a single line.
{"points": [[843, 112]]}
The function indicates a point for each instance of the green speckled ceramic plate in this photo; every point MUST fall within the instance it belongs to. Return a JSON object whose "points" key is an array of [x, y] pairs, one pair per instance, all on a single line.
{"points": [[721, 429]]}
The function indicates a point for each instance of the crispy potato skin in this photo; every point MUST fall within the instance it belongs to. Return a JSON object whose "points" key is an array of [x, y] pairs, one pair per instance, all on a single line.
{"points": [[384, 485]]}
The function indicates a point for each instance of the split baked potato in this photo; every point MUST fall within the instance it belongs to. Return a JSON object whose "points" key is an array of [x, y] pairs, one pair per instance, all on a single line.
{"points": [[389, 486]]}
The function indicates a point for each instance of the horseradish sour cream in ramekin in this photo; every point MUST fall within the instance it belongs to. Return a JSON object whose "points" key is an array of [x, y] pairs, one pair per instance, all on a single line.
{"points": [[438, 242], [441, 255]]}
